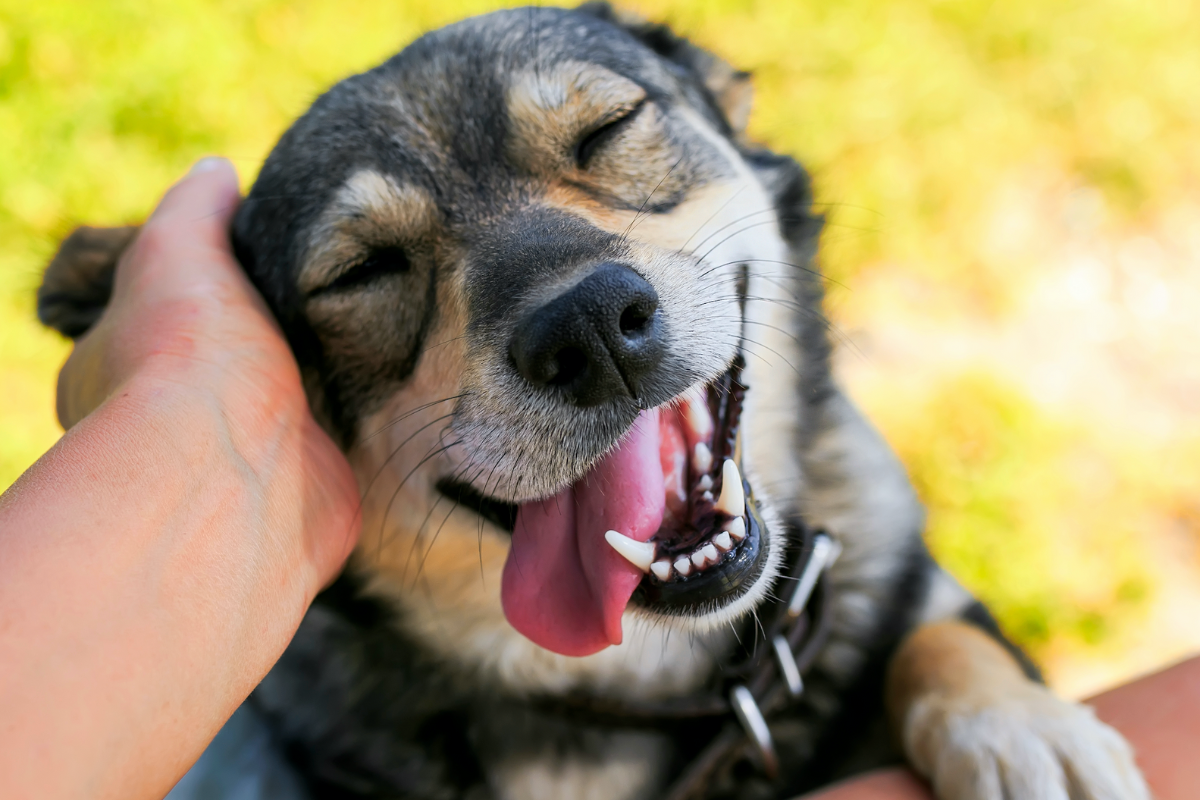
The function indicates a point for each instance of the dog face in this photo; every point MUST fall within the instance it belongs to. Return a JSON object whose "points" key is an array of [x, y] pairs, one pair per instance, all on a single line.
{"points": [[518, 263], [529, 270]]}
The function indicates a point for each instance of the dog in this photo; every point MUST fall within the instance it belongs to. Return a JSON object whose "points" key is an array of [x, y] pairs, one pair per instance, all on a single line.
{"points": [[563, 318]]}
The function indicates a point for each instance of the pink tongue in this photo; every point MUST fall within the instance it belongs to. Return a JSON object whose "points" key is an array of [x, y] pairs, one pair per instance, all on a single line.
{"points": [[564, 587]]}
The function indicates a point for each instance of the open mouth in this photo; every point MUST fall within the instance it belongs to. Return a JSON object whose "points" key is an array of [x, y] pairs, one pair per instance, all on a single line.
{"points": [[665, 521], [707, 547]]}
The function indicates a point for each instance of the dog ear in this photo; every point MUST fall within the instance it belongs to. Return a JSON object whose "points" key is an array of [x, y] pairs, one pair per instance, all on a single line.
{"points": [[78, 281], [729, 89]]}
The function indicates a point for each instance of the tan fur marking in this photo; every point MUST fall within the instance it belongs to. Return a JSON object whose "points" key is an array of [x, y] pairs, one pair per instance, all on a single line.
{"points": [[731, 88], [550, 110], [736, 100], [947, 658], [575, 201], [371, 209]]}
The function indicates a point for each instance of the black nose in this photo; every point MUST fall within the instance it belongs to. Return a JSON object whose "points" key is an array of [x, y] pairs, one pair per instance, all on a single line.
{"points": [[597, 341]]}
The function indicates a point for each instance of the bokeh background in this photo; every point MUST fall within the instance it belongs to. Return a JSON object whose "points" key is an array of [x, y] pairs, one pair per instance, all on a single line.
{"points": [[1013, 246]]}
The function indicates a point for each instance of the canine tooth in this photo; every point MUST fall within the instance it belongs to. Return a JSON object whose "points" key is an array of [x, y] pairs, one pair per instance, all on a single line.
{"points": [[710, 553], [702, 459], [699, 559], [736, 528], [683, 567], [705, 483], [733, 498], [696, 413], [640, 554], [661, 570], [723, 542], [707, 496]]}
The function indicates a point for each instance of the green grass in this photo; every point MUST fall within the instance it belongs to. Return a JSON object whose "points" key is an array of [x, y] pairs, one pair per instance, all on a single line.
{"points": [[909, 114]]}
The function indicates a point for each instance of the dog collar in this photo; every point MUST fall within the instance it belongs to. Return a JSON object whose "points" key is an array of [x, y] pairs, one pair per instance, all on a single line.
{"points": [[762, 679]]}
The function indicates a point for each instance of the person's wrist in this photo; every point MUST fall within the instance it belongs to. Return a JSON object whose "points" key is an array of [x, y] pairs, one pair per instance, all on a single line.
{"points": [[255, 455], [267, 431], [255, 420]]}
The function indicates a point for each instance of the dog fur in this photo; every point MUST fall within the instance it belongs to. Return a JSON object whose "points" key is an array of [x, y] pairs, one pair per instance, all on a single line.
{"points": [[398, 231]]}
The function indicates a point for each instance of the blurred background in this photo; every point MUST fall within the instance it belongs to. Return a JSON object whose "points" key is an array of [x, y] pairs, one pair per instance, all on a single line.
{"points": [[1013, 245]]}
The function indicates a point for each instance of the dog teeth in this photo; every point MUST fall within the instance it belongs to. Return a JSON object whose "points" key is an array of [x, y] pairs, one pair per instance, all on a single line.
{"points": [[640, 554], [733, 498], [731, 503], [695, 411], [700, 559], [736, 528]]}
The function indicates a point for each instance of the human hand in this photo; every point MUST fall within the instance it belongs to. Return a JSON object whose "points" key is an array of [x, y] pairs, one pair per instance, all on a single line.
{"points": [[184, 316]]}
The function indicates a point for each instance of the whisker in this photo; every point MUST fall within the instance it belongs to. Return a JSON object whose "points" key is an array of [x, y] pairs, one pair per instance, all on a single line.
{"points": [[739, 232], [420, 531], [383, 466], [731, 223], [387, 511], [408, 414], [636, 217], [421, 528], [713, 216]]}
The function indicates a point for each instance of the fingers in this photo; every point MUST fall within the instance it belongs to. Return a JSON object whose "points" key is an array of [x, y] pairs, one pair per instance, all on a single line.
{"points": [[186, 239], [205, 199], [182, 255]]}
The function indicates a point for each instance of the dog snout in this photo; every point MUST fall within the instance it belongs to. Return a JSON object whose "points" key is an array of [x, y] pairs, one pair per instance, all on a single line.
{"points": [[597, 341]]}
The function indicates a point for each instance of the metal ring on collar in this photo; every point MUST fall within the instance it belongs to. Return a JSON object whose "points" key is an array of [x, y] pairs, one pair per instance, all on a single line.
{"points": [[755, 725], [788, 666], [825, 551]]}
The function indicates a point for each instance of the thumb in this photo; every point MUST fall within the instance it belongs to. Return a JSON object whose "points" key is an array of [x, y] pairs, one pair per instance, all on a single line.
{"points": [[204, 198], [190, 224], [183, 249]]}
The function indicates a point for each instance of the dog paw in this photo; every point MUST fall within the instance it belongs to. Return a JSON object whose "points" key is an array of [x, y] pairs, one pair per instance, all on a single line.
{"points": [[1025, 745]]}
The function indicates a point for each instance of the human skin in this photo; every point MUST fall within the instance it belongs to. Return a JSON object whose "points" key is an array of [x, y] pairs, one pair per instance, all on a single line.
{"points": [[155, 562], [1158, 714]]}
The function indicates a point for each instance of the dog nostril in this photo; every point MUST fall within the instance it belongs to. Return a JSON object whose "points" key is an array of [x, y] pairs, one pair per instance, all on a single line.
{"points": [[635, 320], [570, 363]]}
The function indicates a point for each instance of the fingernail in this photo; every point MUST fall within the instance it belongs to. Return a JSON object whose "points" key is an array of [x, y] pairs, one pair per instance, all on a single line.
{"points": [[207, 164]]}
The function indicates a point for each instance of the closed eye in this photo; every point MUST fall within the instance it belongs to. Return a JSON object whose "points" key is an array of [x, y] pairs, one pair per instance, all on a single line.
{"points": [[379, 263], [609, 128]]}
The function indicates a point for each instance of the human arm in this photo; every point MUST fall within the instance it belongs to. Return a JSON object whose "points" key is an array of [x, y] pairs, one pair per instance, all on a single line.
{"points": [[156, 561]]}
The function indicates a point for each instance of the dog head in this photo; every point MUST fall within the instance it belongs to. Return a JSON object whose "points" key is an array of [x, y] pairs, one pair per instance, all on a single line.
{"points": [[532, 275]]}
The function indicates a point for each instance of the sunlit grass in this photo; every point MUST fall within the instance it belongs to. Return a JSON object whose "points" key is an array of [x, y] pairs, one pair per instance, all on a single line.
{"points": [[910, 115]]}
